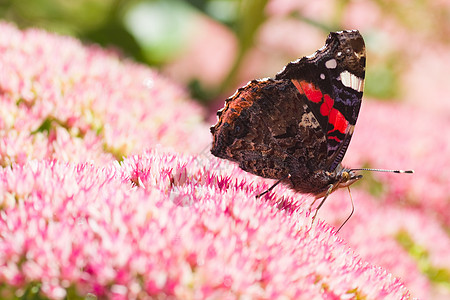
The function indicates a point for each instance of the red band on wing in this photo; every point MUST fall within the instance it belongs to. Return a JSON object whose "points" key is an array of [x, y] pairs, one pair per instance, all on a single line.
{"points": [[334, 138], [327, 105], [309, 90], [335, 117], [338, 120]]}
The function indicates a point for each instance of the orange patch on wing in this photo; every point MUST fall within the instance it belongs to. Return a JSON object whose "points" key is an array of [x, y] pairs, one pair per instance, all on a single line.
{"points": [[309, 90]]}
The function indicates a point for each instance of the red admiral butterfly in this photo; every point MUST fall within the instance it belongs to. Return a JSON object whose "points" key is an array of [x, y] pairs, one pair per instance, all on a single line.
{"points": [[297, 126]]}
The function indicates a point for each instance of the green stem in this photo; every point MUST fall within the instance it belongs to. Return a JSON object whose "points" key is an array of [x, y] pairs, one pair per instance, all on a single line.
{"points": [[251, 16]]}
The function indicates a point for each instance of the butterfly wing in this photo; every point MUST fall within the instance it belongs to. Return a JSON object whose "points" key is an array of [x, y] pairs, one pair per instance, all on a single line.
{"points": [[300, 123], [332, 79], [268, 129]]}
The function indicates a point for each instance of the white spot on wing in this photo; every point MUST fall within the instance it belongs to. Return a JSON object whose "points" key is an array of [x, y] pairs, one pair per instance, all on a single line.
{"points": [[331, 64], [352, 81], [322, 76], [345, 79]]}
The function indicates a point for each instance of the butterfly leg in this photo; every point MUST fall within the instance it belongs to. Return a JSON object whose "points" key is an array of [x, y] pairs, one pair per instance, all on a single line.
{"points": [[312, 204], [351, 214], [329, 190], [273, 186]]}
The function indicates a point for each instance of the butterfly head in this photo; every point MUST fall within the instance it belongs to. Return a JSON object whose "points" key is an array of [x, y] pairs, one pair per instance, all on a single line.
{"points": [[347, 177]]}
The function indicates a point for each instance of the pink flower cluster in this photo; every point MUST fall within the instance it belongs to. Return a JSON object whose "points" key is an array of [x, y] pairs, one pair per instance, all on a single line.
{"points": [[161, 225], [61, 100], [75, 222]]}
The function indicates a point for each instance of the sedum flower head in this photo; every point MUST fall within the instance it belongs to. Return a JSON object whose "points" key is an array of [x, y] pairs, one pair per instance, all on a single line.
{"points": [[164, 225]]}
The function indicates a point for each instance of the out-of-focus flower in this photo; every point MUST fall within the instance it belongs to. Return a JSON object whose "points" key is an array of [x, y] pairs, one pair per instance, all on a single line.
{"points": [[62, 100], [209, 55], [392, 136]]}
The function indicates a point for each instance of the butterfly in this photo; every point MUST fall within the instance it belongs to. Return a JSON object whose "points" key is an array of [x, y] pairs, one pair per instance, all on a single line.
{"points": [[297, 126]]}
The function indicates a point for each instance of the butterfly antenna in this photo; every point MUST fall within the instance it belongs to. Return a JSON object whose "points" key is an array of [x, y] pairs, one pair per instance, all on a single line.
{"points": [[373, 170], [384, 170]]}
